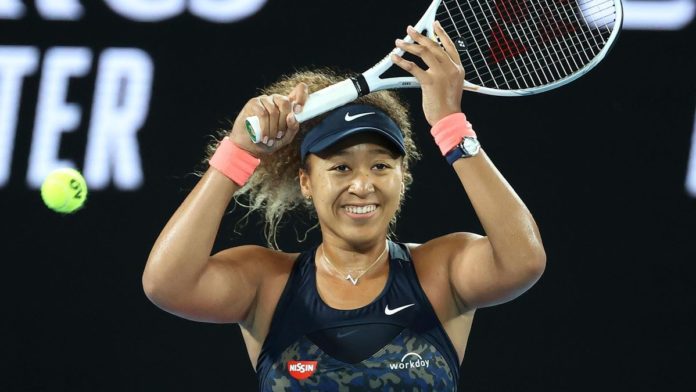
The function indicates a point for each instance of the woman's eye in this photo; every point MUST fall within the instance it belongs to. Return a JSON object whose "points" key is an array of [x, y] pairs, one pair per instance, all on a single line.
{"points": [[381, 166], [341, 168]]}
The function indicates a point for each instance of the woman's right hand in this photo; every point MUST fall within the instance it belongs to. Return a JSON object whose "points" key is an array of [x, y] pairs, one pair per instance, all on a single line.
{"points": [[276, 115]]}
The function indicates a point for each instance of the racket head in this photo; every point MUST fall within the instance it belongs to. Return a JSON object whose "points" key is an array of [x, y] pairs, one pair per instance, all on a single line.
{"points": [[523, 47]]}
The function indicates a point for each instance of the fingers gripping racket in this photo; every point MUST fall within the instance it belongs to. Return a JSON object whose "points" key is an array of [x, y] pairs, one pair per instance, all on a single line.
{"points": [[507, 48]]}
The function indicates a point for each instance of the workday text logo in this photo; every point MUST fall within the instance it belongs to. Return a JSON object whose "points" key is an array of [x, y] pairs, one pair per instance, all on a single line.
{"points": [[410, 361]]}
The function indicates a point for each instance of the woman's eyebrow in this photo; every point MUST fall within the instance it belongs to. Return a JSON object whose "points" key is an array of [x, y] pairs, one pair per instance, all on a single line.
{"points": [[379, 150], [376, 150]]}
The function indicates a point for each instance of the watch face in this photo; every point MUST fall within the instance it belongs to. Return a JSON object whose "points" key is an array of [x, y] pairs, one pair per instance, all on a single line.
{"points": [[470, 145]]}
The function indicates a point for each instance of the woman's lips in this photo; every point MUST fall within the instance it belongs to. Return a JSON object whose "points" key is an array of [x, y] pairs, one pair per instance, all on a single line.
{"points": [[352, 211]]}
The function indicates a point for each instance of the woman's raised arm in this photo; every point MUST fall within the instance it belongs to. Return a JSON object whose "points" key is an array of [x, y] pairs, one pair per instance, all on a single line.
{"points": [[181, 276]]}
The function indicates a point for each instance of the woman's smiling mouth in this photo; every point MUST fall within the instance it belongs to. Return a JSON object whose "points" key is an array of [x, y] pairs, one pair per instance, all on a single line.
{"points": [[360, 212]]}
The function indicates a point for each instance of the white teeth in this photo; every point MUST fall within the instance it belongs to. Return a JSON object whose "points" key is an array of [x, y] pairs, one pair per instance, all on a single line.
{"points": [[361, 210]]}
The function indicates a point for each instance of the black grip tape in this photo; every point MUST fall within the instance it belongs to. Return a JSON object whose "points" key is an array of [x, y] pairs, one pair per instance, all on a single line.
{"points": [[361, 85]]}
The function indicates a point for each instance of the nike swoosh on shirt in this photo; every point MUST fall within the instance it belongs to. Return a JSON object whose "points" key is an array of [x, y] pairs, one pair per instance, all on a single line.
{"points": [[389, 312], [341, 335], [351, 118]]}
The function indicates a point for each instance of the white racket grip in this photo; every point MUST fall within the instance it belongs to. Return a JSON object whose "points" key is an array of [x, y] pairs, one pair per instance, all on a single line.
{"points": [[253, 127], [317, 104], [327, 99]]}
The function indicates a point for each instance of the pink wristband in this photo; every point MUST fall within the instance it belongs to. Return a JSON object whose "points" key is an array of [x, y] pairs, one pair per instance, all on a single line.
{"points": [[450, 130], [235, 163]]}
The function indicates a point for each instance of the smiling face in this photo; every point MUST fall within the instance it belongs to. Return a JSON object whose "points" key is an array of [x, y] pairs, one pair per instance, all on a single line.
{"points": [[356, 186]]}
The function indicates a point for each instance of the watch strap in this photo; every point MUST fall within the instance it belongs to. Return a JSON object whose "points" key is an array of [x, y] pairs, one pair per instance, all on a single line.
{"points": [[459, 152], [454, 155]]}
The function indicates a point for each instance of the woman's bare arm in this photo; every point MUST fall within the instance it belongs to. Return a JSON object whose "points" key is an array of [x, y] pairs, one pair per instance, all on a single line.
{"points": [[488, 270], [181, 276], [498, 267]]}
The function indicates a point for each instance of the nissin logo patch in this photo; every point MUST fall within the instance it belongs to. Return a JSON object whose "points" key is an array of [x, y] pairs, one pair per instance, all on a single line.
{"points": [[302, 369]]}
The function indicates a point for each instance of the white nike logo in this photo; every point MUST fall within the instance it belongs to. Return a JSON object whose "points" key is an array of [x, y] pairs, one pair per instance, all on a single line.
{"points": [[351, 118], [341, 335], [389, 312]]}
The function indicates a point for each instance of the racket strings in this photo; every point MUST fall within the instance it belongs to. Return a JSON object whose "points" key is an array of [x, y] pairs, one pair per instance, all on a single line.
{"points": [[549, 68], [523, 43], [504, 31], [550, 63], [528, 31], [516, 31], [454, 27], [502, 44], [563, 46], [557, 13], [487, 44]]}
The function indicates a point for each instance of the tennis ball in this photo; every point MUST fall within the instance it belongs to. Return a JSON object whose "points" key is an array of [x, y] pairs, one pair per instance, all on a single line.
{"points": [[64, 190]]}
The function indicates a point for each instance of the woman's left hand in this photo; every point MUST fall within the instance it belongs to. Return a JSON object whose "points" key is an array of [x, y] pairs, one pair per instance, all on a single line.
{"points": [[443, 80]]}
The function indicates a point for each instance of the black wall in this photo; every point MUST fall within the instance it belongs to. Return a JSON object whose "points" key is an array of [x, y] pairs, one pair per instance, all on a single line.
{"points": [[601, 163]]}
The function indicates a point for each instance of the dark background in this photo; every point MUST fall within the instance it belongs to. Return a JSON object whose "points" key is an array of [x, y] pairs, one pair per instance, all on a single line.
{"points": [[600, 163]]}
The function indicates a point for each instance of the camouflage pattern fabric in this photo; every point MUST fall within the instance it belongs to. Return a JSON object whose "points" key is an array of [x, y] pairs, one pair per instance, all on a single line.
{"points": [[408, 363]]}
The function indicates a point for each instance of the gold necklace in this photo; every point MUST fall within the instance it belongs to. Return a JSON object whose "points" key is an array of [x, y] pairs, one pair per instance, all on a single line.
{"points": [[349, 276]]}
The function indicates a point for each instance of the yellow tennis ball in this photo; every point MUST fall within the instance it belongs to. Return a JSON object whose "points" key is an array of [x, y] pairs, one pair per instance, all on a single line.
{"points": [[64, 190]]}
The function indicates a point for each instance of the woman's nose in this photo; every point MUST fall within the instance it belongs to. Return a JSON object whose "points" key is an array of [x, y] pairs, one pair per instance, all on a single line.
{"points": [[362, 183]]}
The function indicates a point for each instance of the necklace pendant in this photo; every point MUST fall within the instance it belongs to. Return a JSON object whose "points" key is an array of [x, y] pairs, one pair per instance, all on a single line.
{"points": [[352, 280]]}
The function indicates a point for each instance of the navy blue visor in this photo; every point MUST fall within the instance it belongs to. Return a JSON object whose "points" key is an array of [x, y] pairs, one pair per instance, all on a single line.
{"points": [[348, 120]]}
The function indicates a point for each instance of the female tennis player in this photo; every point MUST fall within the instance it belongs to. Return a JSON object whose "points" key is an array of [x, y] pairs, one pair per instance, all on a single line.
{"points": [[357, 311]]}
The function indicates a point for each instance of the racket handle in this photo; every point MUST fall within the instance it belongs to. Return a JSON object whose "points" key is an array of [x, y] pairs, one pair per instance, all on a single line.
{"points": [[253, 127], [317, 104], [326, 99]]}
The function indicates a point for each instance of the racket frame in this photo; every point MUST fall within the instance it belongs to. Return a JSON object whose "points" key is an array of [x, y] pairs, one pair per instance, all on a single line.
{"points": [[349, 89]]}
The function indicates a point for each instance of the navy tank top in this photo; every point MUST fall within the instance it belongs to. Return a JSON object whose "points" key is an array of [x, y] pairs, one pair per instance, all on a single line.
{"points": [[395, 343]]}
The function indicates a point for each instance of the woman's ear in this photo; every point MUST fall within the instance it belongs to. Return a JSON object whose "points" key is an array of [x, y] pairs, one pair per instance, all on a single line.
{"points": [[305, 183]]}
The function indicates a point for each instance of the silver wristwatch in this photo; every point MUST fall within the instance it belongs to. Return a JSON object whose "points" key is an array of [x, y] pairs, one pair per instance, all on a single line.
{"points": [[468, 147]]}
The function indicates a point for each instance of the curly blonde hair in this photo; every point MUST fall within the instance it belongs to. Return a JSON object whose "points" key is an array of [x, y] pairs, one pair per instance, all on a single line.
{"points": [[274, 188]]}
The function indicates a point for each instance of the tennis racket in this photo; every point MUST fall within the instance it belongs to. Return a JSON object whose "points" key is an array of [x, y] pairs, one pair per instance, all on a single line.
{"points": [[507, 48]]}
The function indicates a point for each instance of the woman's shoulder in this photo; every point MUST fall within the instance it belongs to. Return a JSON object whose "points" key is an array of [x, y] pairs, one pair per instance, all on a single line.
{"points": [[440, 248], [265, 259], [433, 263], [435, 256]]}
